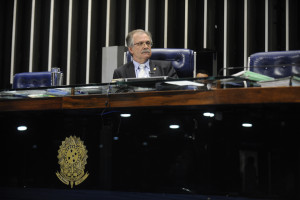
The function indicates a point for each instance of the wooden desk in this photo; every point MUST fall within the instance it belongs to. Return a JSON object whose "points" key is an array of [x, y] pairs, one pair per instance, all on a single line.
{"points": [[158, 98], [141, 153]]}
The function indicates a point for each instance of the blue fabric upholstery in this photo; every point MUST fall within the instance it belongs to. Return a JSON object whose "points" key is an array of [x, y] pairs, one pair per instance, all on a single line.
{"points": [[32, 80], [182, 59], [276, 64]]}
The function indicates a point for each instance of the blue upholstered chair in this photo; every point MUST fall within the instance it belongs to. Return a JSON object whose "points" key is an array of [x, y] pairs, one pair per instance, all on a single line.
{"points": [[183, 60], [276, 64], [38, 79], [32, 80]]}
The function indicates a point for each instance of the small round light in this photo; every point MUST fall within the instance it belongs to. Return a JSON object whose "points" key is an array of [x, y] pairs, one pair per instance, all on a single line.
{"points": [[145, 144], [208, 114], [125, 115], [174, 126], [116, 138], [247, 125], [22, 128]]}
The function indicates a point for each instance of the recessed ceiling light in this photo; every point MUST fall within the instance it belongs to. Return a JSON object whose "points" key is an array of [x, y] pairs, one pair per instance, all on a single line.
{"points": [[174, 126], [208, 114], [125, 115], [247, 125], [22, 128]]}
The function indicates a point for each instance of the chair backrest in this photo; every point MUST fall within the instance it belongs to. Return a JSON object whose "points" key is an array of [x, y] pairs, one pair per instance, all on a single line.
{"points": [[275, 64], [183, 60], [31, 80]]}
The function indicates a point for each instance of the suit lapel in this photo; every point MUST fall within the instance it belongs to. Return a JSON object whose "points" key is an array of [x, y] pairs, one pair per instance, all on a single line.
{"points": [[130, 73], [154, 69]]}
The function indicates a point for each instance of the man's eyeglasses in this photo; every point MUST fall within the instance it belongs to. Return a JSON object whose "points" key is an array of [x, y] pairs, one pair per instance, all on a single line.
{"points": [[148, 43]]}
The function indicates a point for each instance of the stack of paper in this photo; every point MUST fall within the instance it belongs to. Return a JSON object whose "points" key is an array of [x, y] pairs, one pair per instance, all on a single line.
{"points": [[253, 76], [286, 81]]}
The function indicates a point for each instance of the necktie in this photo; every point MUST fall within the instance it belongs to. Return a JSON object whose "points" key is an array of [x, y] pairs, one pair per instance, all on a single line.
{"points": [[142, 71]]}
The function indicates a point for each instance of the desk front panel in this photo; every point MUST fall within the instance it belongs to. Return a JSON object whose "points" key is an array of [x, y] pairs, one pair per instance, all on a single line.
{"points": [[211, 154], [155, 98]]}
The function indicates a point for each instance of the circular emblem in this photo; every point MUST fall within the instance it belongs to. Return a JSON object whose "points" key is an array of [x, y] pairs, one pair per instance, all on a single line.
{"points": [[72, 156]]}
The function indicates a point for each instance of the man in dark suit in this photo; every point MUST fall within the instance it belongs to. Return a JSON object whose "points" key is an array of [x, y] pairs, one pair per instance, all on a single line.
{"points": [[139, 44]]}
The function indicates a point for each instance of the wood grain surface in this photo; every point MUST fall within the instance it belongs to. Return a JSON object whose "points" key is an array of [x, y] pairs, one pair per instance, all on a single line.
{"points": [[158, 98]]}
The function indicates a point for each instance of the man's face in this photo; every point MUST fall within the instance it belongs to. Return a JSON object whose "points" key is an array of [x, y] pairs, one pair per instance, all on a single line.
{"points": [[141, 50]]}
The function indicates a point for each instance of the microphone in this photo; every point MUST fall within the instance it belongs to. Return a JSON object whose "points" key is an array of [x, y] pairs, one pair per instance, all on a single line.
{"points": [[151, 73]]}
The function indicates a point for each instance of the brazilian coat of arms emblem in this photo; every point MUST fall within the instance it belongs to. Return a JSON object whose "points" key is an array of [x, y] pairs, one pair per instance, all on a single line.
{"points": [[72, 158]]}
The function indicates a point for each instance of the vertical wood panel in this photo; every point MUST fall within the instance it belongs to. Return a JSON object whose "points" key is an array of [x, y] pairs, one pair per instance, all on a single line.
{"points": [[245, 34], [225, 64], [137, 14], [235, 35], [166, 15], [215, 29], [213, 24], [176, 17], [60, 35], [294, 24], [97, 39], [13, 41], [196, 25], [204, 24], [126, 21], [147, 15], [156, 22], [6, 42], [107, 23], [50, 43], [69, 45], [117, 22], [287, 14], [41, 35], [266, 25], [186, 24], [22, 42], [32, 29], [88, 43], [80, 30], [256, 32], [277, 25]]}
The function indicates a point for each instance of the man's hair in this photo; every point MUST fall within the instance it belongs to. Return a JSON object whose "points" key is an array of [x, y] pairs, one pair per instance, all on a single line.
{"points": [[129, 38]]}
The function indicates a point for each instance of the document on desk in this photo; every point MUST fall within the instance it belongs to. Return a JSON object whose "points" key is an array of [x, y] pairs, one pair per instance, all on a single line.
{"points": [[184, 83], [253, 76], [286, 81]]}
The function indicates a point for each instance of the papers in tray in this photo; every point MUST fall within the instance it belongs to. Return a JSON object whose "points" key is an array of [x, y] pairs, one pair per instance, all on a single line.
{"points": [[253, 76], [266, 81], [287, 81], [184, 83]]}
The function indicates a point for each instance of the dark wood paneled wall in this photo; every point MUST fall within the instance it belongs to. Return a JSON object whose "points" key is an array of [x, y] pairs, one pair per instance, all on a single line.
{"points": [[232, 28]]}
